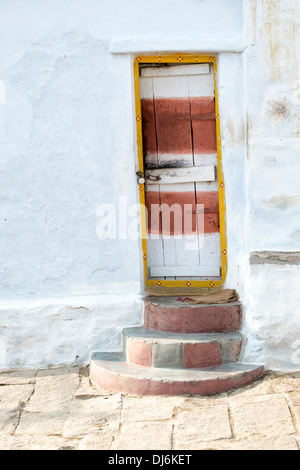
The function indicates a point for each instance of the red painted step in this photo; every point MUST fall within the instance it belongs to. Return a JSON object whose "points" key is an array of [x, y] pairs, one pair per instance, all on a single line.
{"points": [[168, 314], [153, 348], [112, 372]]}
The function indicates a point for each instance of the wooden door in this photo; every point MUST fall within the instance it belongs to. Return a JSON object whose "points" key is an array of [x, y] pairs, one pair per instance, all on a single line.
{"points": [[180, 161]]}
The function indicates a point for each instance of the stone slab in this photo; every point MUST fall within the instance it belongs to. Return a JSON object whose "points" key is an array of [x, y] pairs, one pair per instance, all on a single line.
{"points": [[54, 390], [92, 415], [101, 440], [252, 443], [154, 435], [256, 415], [18, 377], [200, 424], [42, 423], [148, 408]]}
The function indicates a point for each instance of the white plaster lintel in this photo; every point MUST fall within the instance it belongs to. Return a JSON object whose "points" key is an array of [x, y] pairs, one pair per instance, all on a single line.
{"points": [[146, 45]]}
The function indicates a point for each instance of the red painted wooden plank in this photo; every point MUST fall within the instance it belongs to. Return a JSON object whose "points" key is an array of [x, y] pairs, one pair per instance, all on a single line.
{"points": [[172, 132], [175, 217], [180, 220], [204, 131], [210, 200], [173, 125], [148, 127]]}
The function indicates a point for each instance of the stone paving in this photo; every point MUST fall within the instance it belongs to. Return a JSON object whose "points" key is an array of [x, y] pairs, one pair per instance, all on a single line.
{"points": [[58, 409]]}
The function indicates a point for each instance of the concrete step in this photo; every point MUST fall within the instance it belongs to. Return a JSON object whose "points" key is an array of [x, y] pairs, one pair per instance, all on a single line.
{"points": [[153, 348], [112, 372], [169, 314]]}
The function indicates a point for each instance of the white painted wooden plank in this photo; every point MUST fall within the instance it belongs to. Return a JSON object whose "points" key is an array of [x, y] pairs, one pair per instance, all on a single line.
{"points": [[146, 88], [181, 160], [167, 160], [202, 159], [176, 187], [154, 187], [201, 85], [210, 249], [169, 248], [151, 160], [155, 251], [170, 87], [194, 69], [187, 246], [185, 271], [207, 186], [187, 251], [181, 175], [183, 187], [169, 245]]}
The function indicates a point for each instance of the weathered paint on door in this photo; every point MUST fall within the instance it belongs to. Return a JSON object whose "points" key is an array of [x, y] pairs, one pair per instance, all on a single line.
{"points": [[181, 163]]}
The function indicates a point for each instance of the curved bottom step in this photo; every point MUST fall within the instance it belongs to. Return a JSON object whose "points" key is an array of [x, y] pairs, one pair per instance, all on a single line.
{"points": [[110, 371]]}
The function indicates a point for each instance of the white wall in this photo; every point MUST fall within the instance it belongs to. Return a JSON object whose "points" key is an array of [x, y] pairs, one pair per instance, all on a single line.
{"points": [[67, 140], [271, 291], [67, 137], [272, 69]]}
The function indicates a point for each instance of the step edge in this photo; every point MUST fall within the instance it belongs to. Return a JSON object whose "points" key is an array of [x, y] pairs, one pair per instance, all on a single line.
{"points": [[160, 336], [146, 386], [185, 305], [250, 368]]}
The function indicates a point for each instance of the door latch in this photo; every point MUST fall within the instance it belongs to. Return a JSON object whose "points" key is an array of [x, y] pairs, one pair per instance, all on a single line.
{"points": [[142, 177]]}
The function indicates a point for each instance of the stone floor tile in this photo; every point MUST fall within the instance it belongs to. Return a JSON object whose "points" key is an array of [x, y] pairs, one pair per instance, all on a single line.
{"points": [[200, 424], [98, 441], [198, 400], [85, 389], [59, 370], [92, 415], [252, 443], [41, 424], [154, 435], [282, 384], [37, 443], [9, 418], [148, 408], [13, 395], [256, 388], [12, 400], [54, 390], [18, 377], [261, 415], [294, 403]]}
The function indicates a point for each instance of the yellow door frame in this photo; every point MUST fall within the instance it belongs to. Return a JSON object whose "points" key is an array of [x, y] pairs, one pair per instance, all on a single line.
{"points": [[180, 287]]}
